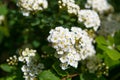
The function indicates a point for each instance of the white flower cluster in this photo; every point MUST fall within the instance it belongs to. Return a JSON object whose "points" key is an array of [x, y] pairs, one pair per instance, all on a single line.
{"points": [[71, 46], [100, 6], [70, 5], [28, 6], [90, 19], [31, 68], [1, 19]]}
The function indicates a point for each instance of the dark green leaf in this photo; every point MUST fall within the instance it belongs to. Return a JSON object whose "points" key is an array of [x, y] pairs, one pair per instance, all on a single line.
{"points": [[6, 67], [47, 75]]}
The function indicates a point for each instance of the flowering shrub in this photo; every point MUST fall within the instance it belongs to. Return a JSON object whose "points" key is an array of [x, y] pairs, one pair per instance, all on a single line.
{"points": [[59, 40]]}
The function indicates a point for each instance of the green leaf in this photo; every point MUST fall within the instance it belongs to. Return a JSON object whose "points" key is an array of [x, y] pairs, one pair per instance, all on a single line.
{"points": [[113, 54], [8, 78], [47, 75], [6, 67], [101, 40], [110, 40], [103, 47], [111, 62]]}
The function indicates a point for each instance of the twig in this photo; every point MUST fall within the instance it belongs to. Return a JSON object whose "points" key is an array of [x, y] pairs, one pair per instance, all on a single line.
{"points": [[69, 76]]}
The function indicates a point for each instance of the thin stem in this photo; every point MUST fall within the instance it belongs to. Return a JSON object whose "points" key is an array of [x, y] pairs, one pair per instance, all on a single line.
{"points": [[69, 76]]}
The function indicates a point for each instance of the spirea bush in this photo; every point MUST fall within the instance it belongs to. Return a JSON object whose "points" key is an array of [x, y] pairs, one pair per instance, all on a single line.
{"points": [[59, 40]]}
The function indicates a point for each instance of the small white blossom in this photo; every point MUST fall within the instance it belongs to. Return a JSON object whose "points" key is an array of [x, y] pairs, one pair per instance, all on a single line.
{"points": [[28, 6], [64, 66], [90, 19], [72, 8]]}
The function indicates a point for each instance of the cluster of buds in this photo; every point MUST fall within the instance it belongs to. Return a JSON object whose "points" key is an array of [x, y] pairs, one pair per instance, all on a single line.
{"points": [[12, 60], [95, 65], [103, 69]]}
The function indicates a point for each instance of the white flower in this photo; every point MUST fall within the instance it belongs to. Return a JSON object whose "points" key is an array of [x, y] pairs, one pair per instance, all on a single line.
{"points": [[90, 19], [25, 13], [64, 66], [71, 46], [100, 6], [24, 68], [30, 69], [73, 63], [21, 58], [64, 59], [28, 6]]}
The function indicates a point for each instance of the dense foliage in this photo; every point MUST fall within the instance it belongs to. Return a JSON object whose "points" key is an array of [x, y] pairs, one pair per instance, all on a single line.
{"points": [[32, 32]]}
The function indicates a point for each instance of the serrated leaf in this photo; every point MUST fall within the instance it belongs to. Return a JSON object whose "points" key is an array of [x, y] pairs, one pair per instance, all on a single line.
{"points": [[47, 75]]}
